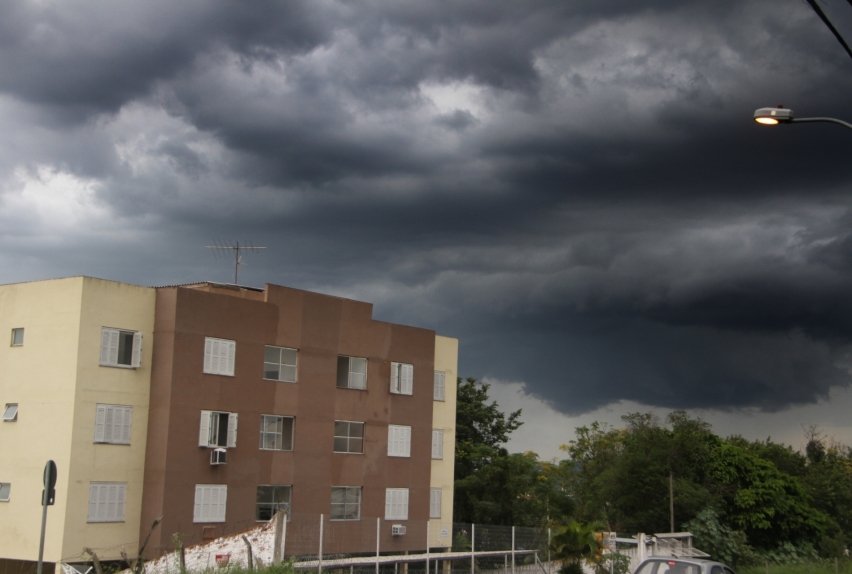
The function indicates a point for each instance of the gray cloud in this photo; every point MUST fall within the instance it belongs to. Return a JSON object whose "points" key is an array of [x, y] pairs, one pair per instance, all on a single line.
{"points": [[576, 191]]}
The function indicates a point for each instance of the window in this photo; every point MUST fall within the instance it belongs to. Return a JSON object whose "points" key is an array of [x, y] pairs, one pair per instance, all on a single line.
{"points": [[17, 336], [276, 433], [219, 356], [437, 443], [271, 499], [120, 348], [396, 504], [435, 496], [106, 501], [438, 388], [348, 436], [399, 440], [112, 424], [279, 364], [351, 373], [217, 429], [10, 413], [5, 491], [210, 503], [402, 378], [345, 502]]}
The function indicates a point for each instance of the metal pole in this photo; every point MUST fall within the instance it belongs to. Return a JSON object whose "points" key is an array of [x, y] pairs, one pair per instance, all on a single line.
{"points": [[41, 540], [472, 548], [319, 568], [427, 547], [378, 541], [513, 550]]}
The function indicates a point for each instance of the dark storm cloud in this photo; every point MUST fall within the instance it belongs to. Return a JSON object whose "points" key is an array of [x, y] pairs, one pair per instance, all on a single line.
{"points": [[573, 189]]}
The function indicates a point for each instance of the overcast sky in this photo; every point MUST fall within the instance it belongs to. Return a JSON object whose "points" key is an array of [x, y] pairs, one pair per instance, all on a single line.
{"points": [[573, 189]]}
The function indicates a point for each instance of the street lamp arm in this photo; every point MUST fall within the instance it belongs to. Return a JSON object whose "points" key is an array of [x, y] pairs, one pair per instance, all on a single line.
{"points": [[781, 115], [824, 119]]}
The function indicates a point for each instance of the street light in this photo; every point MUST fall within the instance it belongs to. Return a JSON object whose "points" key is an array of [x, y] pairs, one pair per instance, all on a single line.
{"points": [[779, 115]]}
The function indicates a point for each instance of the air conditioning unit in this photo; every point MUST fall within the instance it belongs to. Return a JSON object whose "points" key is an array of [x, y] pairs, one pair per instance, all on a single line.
{"points": [[398, 530], [218, 456]]}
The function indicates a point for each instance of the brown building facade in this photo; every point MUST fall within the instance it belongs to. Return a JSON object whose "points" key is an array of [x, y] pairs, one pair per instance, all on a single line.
{"points": [[264, 400]]}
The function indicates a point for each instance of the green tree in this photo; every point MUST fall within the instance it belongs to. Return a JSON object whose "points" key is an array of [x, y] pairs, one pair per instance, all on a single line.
{"points": [[487, 480], [770, 506]]}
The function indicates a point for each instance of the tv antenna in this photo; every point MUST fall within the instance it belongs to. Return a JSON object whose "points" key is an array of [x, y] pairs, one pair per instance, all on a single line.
{"points": [[237, 250]]}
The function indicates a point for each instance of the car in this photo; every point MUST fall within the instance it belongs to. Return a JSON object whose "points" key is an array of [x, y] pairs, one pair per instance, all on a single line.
{"points": [[673, 565]]}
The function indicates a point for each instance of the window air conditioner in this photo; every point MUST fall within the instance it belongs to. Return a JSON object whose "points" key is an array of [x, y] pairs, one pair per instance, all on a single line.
{"points": [[398, 530], [218, 456]]}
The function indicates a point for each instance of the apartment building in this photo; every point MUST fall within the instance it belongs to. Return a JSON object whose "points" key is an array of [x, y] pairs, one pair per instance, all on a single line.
{"points": [[74, 386], [240, 402]]}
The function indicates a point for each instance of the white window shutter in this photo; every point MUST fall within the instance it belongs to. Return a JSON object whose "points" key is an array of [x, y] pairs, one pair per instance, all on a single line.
{"points": [[208, 355], [406, 441], [394, 378], [204, 428], [136, 359], [232, 429], [407, 379], [100, 423], [435, 496], [109, 346], [124, 421], [230, 356], [437, 443]]}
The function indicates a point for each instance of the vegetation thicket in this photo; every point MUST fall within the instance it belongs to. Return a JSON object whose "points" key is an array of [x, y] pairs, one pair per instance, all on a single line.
{"points": [[746, 502]]}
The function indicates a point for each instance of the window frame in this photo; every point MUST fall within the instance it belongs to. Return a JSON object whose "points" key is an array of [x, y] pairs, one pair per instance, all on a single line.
{"points": [[437, 444], [10, 413], [8, 489], [350, 372], [208, 430], [111, 346], [206, 509], [347, 490], [17, 337], [285, 445], [271, 505], [110, 424], [439, 386], [436, 499], [280, 364], [220, 356], [401, 378], [396, 503], [348, 437], [107, 502], [399, 441]]}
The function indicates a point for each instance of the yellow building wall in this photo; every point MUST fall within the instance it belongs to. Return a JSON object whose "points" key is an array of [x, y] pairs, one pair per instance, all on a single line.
{"points": [[56, 380], [444, 417], [41, 377]]}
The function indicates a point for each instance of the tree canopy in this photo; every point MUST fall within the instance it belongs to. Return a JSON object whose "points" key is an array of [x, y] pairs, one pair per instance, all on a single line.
{"points": [[736, 496]]}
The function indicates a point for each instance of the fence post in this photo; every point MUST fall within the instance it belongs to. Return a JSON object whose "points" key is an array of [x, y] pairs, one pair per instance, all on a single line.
{"points": [[427, 547], [319, 567], [513, 550], [472, 547], [548, 550], [378, 541]]}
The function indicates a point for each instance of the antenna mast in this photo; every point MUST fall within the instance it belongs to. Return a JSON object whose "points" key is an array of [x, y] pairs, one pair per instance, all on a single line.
{"points": [[237, 250]]}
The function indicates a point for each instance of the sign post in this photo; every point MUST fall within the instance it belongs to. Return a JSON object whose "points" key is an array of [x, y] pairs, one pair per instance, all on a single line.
{"points": [[48, 495]]}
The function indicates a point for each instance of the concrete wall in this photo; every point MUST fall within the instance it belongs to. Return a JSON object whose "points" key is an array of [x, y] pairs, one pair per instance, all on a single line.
{"points": [[56, 380], [321, 328], [444, 417]]}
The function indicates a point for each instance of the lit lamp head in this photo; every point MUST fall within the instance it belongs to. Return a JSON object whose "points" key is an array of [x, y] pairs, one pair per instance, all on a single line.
{"points": [[773, 116]]}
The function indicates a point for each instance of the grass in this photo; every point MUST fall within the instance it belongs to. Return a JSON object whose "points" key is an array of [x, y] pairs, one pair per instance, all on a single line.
{"points": [[822, 567]]}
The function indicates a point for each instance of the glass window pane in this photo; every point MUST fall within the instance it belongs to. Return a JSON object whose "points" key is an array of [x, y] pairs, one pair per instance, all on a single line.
{"points": [[272, 355]]}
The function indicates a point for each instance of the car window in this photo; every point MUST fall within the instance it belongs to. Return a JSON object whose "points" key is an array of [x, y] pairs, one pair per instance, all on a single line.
{"points": [[648, 568]]}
